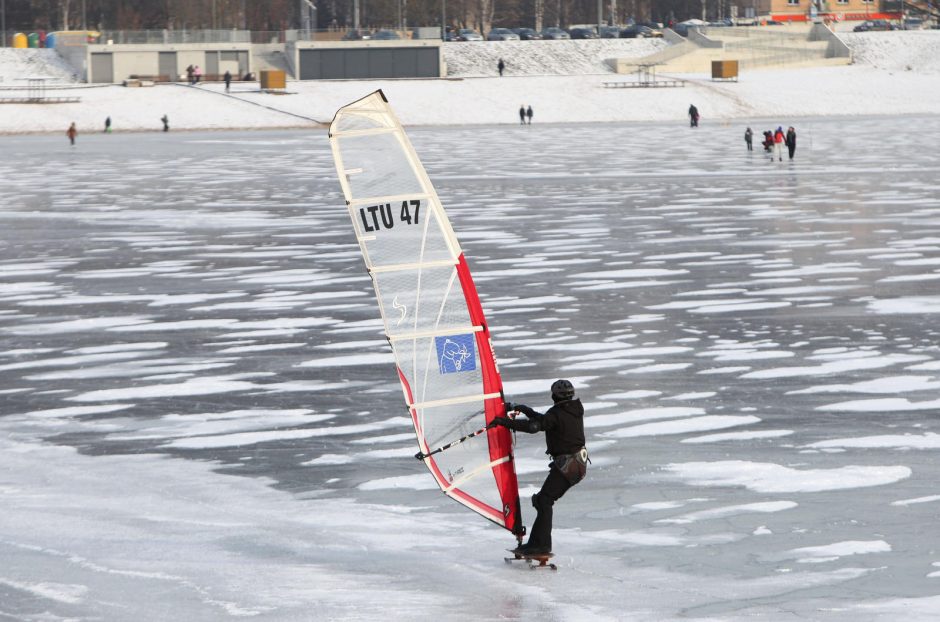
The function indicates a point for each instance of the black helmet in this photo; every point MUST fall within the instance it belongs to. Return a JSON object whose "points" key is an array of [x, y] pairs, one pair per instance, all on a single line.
{"points": [[562, 390]]}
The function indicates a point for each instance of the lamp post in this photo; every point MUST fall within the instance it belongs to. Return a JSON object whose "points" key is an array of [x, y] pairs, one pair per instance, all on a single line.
{"points": [[443, 20], [3, 20]]}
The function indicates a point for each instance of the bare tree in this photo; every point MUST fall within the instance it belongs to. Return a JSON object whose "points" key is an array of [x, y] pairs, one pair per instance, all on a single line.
{"points": [[486, 9]]}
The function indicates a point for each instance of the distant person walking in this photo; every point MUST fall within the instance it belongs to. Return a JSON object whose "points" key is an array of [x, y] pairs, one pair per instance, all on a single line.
{"points": [[197, 72], [107, 125], [749, 139], [528, 114], [790, 140], [693, 116], [190, 72], [779, 140], [522, 114], [166, 123], [228, 80], [72, 132], [501, 66]]}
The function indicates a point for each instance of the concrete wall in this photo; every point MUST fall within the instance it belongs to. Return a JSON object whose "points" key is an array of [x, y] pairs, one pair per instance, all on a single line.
{"points": [[76, 56], [144, 59], [836, 48]]}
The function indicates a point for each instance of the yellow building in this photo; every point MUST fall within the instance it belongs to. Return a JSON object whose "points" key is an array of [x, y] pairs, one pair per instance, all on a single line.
{"points": [[825, 10]]}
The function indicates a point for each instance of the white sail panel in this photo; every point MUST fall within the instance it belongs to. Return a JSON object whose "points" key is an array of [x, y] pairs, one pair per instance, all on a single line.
{"points": [[430, 309]]}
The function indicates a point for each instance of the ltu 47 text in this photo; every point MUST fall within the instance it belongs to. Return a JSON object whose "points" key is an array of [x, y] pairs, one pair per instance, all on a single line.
{"points": [[377, 217]]}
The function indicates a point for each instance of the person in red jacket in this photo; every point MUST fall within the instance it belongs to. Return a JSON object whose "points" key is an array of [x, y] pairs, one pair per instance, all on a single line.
{"points": [[779, 140]]}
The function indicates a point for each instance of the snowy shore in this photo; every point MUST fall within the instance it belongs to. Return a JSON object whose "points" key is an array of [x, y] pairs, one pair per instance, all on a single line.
{"points": [[894, 74]]}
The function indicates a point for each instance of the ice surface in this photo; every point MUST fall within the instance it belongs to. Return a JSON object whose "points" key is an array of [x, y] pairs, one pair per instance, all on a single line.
{"points": [[200, 420]]}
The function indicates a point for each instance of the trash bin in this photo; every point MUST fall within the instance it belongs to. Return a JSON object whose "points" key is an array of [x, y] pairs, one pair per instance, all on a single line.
{"points": [[725, 70], [19, 40], [33, 40], [50, 40], [273, 79]]}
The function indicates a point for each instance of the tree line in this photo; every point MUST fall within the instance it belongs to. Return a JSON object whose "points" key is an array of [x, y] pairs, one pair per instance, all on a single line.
{"points": [[272, 15]]}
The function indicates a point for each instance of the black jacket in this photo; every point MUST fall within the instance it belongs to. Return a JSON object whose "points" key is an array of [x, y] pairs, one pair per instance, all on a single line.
{"points": [[563, 425]]}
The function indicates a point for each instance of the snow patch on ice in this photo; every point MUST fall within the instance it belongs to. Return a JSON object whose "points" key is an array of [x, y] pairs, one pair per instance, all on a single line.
{"points": [[683, 426], [928, 440], [730, 510], [772, 478], [832, 552]]}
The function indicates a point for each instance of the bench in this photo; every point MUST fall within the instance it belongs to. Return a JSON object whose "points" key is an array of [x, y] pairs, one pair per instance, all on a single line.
{"points": [[150, 78], [647, 84], [39, 100]]}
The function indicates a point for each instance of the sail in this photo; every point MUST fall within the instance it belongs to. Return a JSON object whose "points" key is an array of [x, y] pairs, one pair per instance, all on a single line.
{"points": [[432, 314]]}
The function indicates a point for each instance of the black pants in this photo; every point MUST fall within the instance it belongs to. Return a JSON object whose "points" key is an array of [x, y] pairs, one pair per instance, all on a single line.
{"points": [[554, 488]]}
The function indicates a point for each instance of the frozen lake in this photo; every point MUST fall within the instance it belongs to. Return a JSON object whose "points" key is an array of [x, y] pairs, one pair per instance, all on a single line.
{"points": [[199, 418]]}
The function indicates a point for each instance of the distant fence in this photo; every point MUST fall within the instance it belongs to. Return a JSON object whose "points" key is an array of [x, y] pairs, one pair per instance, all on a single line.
{"points": [[174, 37]]}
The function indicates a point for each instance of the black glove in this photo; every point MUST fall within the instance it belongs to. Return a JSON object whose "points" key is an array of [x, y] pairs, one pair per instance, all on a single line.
{"points": [[510, 406], [503, 421]]}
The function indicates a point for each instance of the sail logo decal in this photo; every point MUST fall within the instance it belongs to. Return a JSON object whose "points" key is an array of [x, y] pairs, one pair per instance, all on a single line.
{"points": [[401, 309], [455, 353]]}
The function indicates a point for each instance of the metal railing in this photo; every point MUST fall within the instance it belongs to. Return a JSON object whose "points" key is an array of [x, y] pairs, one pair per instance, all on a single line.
{"points": [[173, 37]]}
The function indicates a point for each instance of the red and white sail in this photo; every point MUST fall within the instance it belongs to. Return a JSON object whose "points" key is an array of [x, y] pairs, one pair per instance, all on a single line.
{"points": [[429, 304]]}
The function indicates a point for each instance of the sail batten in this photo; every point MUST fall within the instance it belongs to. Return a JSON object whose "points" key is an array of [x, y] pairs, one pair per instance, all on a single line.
{"points": [[456, 400], [432, 333], [391, 199], [430, 310], [413, 266]]}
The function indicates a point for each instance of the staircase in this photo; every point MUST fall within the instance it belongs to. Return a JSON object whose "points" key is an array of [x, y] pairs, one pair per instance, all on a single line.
{"points": [[752, 47]]}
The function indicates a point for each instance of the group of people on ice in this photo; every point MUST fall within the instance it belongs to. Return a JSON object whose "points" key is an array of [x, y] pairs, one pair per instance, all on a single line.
{"points": [[774, 142]]}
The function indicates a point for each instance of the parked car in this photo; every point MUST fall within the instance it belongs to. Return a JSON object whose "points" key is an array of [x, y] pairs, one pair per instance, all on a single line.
{"points": [[527, 34], [630, 32], [650, 33], [582, 33], [357, 35], [644, 32], [468, 34], [554, 33], [610, 32], [502, 34], [914, 23], [385, 35], [874, 24]]}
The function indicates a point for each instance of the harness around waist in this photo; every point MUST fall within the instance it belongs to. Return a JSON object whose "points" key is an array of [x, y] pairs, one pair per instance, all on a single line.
{"points": [[572, 466], [581, 456]]}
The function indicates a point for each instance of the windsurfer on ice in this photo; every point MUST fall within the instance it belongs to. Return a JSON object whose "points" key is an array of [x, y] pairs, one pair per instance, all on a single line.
{"points": [[563, 425]]}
